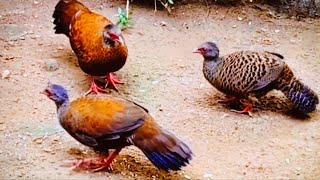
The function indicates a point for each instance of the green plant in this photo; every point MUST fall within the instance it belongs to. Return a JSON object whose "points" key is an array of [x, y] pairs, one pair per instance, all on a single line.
{"points": [[124, 21]]}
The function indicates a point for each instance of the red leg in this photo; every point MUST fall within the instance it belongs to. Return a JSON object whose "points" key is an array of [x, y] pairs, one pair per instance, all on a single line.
{"points": [[96, 164], [94, 88], [246, 110], [229, 99], [107, 163], [113, 79]]}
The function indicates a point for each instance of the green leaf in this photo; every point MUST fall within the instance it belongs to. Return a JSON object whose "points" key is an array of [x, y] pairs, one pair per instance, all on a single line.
{"points": [[170, 1], [119, 10]]}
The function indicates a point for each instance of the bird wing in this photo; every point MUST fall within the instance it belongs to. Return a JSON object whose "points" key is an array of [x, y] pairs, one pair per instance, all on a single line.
{"points": [[104, 117], [271, 67], [243, 72], [86, 34]]}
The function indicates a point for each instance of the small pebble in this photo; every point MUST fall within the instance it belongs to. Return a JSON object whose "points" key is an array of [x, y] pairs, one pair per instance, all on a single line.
{"points": [[5, 74], [155, 82], [263, 29], [52, 65], [288, 161], [207, 176], [47, 150], [187, 177], [163, 23]]}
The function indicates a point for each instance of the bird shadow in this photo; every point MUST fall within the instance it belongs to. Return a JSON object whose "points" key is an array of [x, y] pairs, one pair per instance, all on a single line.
{"points": [[275, 102], [68, 60], [71, 70], [127, 165], [272, 102]]}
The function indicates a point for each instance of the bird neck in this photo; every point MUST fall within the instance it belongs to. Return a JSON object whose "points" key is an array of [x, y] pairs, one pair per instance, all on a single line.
{"points": [[211, 58], [62, 107], [211, 62]]}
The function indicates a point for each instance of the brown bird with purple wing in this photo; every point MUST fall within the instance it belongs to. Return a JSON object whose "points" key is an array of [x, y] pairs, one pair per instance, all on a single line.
{"points": [[105, 122]]}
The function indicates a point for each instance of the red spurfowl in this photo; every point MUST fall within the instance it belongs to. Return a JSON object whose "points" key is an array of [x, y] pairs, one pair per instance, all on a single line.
{"points": [[96, 41]]}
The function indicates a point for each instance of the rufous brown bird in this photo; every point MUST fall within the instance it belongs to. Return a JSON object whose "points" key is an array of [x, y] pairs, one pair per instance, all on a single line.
{"points": [[246, 73], [96, 41], [104, 122]]}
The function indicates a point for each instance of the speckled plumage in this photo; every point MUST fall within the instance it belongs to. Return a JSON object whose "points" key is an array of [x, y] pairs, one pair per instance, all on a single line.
{"points": [[248, 73], [106, 122]]}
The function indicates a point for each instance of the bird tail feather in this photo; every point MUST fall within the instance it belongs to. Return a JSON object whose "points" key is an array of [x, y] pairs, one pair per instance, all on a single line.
{"points": [[165, 151], [302, 97], [63, 14]]}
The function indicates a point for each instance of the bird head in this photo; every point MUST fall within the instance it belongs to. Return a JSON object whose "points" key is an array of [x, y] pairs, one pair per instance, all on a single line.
{"points": [[208, 50], [113, 33], [56, 93]]}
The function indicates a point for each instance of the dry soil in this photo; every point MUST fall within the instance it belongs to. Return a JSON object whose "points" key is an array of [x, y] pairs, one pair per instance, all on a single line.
{"points": [[165, 76]]}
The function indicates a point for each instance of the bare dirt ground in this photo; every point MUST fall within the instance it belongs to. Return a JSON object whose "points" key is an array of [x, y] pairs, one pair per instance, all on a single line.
{"points": [[165, 76]]}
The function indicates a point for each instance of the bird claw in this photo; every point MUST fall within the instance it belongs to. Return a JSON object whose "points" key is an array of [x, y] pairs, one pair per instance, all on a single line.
{"points": [[108, 167], [94, 88], [246, 110], [242, 112], [229, 99], [113, 79], [75, 164], [94, 164]]}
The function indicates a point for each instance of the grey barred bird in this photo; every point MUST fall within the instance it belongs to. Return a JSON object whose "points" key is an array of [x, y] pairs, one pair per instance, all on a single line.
{"points": [[247, 73]]}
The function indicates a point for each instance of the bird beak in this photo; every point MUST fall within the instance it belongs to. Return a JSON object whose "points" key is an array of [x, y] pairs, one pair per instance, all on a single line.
{"points": [[120, 40], [116, 37], [197, 51], [45, 92]]}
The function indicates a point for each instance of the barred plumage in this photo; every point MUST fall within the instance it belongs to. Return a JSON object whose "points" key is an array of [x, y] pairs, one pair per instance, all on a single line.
{"points": [[247, 73]]}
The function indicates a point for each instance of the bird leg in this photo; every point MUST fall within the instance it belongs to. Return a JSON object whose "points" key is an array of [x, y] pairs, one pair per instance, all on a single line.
{"points": [[88, 163], [113, 79], [246, 110], [107, 163], [229, 99], [94, 88], [96, 164]]}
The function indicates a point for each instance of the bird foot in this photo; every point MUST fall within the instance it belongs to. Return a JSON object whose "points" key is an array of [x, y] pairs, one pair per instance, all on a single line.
{"points": [[227, 100], [94, 164], [94, 88], [113, 79], [246, 110]]}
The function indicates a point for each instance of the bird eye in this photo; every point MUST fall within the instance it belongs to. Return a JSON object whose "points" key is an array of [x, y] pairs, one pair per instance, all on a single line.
{"points": [[109, 26]]}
